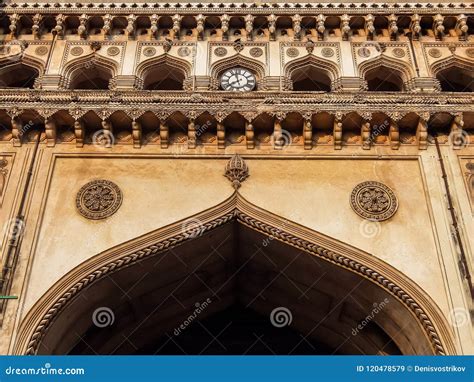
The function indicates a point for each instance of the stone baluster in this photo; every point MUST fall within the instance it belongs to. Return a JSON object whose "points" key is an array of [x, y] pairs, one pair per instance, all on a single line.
{"points": [[17, 131], [462, 27], [164, 135], [107, 28], [337, 132], [249, 135], [394, 135], [220, 135], [136, 134], [82, 28], [191, 134], [200, 21], [59, 28], [369, 26], [14, 22], [154, 26], [272, 26], [35, 29], [176, 26], [249, 27], [365, 132], [297, 27], [438, 27], [422, 133], [108, 137], [320, 26], [278, 139], [79, 132], [225, 27], [308, 132], [51, 132], [415, 27], [392, 27], [130, 29], [345, 28]]}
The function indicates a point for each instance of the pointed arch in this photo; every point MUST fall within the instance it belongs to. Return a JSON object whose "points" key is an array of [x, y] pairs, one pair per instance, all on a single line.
{"points": [[320, 72], [84, 71], [20, 71], [219, 67], [454, 74], [164, 73], [428, 323], [400, 72]]}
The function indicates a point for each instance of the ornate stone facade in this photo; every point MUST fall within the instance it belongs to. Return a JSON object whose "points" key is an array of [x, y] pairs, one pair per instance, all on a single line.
{"points": [[357, 127]]}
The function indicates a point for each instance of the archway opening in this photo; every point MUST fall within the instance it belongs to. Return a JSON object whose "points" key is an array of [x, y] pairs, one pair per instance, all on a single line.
{"points": [[455, 79], [164, 76], [18, 75], [310, 78], [251, 293], [91, 77], [384, 79]]}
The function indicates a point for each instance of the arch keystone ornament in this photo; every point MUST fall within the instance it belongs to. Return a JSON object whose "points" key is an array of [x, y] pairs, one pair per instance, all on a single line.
{"points": [[373, 201], [236, 171], [98, 199]]}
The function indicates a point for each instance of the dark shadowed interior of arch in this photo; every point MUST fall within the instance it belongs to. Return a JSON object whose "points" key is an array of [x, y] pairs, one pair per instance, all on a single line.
{"points": [[310, 78], [18, 76], [234, 290], [455, 79], [164, 77], [91, 77], [384, 79]]}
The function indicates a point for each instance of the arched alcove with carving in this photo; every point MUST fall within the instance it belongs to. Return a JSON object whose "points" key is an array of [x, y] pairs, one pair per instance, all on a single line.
{"points": [[311, 73], [238, 263], [386, 74], [92, 72], [164, 73], [454, 74]]}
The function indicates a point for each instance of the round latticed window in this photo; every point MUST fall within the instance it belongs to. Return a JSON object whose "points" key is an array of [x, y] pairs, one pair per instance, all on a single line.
{"points": [[374, 201], [98, 199]]}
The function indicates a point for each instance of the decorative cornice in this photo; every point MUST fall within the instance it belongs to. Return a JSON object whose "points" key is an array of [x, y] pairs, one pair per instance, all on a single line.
{"points": [[243, 211]]}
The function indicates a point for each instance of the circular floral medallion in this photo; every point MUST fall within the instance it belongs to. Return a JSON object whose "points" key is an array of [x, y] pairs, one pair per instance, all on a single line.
{"points": [[113, 51], [184, 51], [98, 199], [256, 52], [373, 201], [292, 52], [150, 51], [398, 52], [220, 52], [327, 52], [41, 50], [470, 52], [77, 51], [363, 52], [434, 52]]}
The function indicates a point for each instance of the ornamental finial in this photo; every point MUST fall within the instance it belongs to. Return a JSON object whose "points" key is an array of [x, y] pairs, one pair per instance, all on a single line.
{"points": [[236, 170]]}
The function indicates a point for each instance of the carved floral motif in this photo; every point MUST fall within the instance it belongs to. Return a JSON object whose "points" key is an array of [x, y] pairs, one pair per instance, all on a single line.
{"points": [[98, 199], [373, 201]]}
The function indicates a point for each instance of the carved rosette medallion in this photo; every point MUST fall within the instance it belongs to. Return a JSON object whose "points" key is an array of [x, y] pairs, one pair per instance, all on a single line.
{"points": [[327, 52], [220, 51], [292, 52], [98, 199], [256, 52], [184, 51], [373, 201], [113, 51], [149, 51], [363, 52], [435, 52], [77, 51], [398, 52], [41, 50], [470, 52]]}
